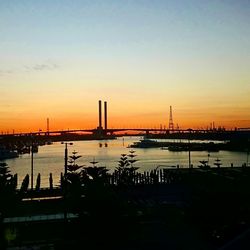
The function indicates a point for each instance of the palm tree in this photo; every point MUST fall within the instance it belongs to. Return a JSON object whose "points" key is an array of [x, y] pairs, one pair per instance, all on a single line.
{"points": [[94, 173], [101, 202]]}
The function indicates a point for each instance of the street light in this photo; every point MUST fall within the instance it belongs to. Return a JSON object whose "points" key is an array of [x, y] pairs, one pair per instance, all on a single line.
{"points": [[32, 161], [247, 150], [189, 154], [247, 156]]}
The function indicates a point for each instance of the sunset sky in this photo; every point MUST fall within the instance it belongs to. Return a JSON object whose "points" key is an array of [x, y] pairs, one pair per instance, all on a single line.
{"points": [[59, 57]]}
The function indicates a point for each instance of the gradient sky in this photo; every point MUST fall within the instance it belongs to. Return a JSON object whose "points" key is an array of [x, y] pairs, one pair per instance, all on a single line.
{"points": [[58, 58]]}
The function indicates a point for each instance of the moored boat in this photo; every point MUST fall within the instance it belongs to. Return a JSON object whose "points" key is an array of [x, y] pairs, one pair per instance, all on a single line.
{"points": [[145, 143], [7, 154]]}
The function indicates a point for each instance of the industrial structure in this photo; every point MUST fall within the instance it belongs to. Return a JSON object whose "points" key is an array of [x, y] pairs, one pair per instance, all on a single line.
{"points": [[171, 121], [100, 130], [47, 126]]}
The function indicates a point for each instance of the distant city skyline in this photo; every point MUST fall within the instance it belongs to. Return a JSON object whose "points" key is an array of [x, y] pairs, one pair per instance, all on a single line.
{"points": [[58, 58]]}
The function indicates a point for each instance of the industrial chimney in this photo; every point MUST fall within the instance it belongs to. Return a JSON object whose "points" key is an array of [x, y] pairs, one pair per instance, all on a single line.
{"points": [[105, 116], [47, 126], [100, 114]]}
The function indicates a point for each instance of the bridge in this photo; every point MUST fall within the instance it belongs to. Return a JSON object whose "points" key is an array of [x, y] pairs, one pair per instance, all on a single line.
{"points": [[105, 132], [76, 134]]}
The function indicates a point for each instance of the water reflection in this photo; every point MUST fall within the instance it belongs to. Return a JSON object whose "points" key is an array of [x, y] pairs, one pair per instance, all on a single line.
{"points": [[50, 158]]}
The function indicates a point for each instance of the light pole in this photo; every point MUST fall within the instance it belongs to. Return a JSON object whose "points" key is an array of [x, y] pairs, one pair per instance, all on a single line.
{"points": [[189, 153], [247, 156], [247, 150], [32, 162]]}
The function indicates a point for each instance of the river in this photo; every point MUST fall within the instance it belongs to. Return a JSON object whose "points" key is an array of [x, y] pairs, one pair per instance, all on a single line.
{"points": [[50, 158]]}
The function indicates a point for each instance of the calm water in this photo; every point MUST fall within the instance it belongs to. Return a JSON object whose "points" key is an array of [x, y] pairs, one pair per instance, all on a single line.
{"points": [[50, 158]]}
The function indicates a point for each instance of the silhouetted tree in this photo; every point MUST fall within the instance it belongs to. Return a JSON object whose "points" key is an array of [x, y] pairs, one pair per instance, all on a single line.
{"points": [[38, 182], [72, 182], [126, 170], [95, 174], [14, 181], [101, 200], [7, 188], [73, 175], [62, 181], [5, 176], [217, 163], [50, 181], [25, 184]]}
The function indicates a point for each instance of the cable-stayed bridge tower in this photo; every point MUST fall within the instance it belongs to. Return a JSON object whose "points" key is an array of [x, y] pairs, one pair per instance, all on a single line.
{"points": [[100, 128]]}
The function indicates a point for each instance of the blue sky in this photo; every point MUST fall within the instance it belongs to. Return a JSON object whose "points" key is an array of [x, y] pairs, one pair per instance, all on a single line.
{"points": [[193, 55]]}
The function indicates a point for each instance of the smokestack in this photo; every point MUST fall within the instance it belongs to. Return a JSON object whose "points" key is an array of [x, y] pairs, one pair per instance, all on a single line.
{"points": [[105, 116], [100, 114], [48, 126]]}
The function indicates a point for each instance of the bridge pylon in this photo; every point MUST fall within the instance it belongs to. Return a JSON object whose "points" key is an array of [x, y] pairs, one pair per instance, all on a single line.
{"points": [[100, 130]]}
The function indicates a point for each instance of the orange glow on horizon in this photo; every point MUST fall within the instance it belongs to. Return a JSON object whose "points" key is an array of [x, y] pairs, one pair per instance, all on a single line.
{"points": [[120, 115], [117, 121]]}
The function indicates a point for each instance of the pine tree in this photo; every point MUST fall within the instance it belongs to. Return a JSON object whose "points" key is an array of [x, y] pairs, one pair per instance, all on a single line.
{"points": [[7, 188]]}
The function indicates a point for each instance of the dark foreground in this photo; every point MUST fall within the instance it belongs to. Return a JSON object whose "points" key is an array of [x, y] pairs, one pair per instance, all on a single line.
{"points": [[196, 209]]}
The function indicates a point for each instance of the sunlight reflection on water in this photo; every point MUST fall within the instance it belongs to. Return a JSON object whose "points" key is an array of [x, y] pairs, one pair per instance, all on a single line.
{"points": [[50, 158]]}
